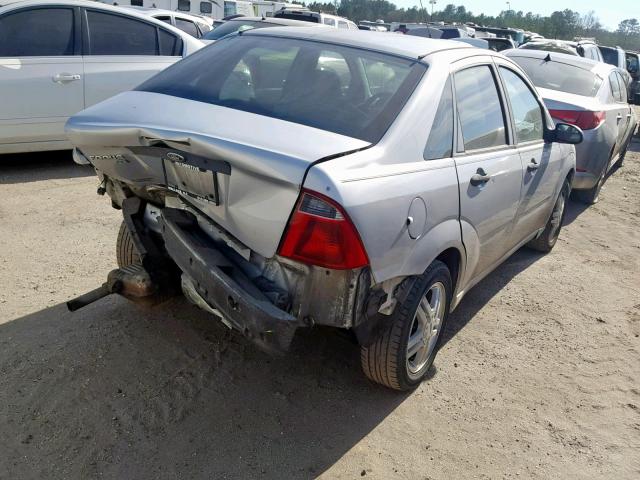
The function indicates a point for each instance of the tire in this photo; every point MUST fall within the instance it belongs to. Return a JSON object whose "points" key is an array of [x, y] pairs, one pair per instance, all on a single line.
{"points": [[126, 253], [387, 360], [620, 162], [591, 196], [549, 236]]}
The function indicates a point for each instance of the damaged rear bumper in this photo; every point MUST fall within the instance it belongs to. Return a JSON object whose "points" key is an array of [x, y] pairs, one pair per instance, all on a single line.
{"points": [[210, 277]]}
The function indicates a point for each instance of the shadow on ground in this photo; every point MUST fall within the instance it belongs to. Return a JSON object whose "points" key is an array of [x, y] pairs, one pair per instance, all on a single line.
{"points": [[33, 167], [489, 287], [118, 391]]}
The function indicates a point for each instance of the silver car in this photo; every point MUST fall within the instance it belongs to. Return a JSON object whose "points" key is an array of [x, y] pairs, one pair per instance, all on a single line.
{"points": [[291, 177], [591, 95]]}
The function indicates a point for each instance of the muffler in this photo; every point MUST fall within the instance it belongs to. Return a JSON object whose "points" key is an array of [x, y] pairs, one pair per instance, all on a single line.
{"points": [[132, 282]]}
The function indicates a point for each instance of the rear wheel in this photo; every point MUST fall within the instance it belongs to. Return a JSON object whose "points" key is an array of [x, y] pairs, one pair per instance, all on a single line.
{"points": [[549, 236], [402, 355], [126, 253]]}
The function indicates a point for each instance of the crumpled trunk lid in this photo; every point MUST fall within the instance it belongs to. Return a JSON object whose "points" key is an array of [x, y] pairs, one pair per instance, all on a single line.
{"points": [[244, 171]]}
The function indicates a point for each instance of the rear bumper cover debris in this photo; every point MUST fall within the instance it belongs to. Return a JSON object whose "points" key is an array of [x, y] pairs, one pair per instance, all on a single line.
{"points": [[223, 287]]}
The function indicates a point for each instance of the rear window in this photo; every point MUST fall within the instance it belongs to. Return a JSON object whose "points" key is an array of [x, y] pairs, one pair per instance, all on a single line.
{"points": [[233, 26], [340, 89], [551, 47], [560, 76], [301, 17], [610, 55]]}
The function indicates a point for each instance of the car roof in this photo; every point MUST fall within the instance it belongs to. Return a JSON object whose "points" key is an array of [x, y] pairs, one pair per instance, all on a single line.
{"points": [[275, 21], [148, 11], [394, 44], [580, 62]]}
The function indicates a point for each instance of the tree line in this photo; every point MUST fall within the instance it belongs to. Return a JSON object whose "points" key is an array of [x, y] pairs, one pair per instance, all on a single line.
{"points": [[563, 24]]}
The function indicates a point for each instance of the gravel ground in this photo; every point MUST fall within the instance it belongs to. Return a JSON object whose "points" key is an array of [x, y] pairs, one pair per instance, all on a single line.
{"points": [[539, 377]]}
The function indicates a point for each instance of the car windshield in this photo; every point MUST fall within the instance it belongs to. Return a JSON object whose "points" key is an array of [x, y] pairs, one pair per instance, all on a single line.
{"points": [[350, 91], [233, 26], [560, 76], [610, 56]]}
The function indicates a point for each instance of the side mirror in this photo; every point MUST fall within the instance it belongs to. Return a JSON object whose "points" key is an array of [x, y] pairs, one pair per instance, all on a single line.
{"points": [[565, 133]]}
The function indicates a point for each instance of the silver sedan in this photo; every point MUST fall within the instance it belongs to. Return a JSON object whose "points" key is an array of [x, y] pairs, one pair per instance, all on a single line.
{"points": [[294, 177], [591, 95]]}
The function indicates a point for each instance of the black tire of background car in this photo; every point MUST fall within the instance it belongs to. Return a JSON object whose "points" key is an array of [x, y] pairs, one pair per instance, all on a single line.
{"points": [[591, 196], [384, 361], [548, 238], [126, 253], [623, 154]]}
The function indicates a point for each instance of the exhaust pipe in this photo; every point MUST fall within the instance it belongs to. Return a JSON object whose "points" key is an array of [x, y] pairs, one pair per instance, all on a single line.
{"points": [[88, 298], [132, 282]]}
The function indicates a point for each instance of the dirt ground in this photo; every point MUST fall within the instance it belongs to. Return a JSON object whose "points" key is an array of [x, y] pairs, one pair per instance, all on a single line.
{"points": [[539, 376]]}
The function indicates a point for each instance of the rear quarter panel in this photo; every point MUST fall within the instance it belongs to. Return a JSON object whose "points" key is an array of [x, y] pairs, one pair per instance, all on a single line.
{"points": [[377, 186]]}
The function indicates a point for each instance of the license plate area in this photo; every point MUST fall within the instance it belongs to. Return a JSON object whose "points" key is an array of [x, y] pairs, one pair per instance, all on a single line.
{"points": [[192, 181], [187, 174]]}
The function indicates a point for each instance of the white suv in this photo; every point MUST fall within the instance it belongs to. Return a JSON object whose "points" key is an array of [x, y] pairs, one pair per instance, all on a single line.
{"points": [[59, 57]]}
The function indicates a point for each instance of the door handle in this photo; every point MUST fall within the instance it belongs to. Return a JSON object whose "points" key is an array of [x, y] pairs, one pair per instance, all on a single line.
{"points": [[65, 77], [480, 178], [618, 118], [533, 165]]}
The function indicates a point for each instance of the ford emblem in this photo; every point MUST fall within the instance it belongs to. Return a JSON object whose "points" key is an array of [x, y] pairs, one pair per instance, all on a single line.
{"points": [[175, 157]]}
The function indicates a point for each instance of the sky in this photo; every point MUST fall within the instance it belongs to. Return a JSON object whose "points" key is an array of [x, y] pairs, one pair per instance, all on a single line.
{"points": [[610, 13]]}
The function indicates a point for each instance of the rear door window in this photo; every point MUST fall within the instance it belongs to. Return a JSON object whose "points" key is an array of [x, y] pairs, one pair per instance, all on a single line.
{"points": [[188, 26], [479, 109], [170, 44], [440, 143], [615, 87], [40, 32], [623, 88], [119, 35], [342, 24], [329, 21], [527, 113]]}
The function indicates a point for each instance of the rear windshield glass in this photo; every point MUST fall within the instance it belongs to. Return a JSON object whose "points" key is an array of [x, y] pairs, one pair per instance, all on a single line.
{"points": [[302, 18], [551, 47], [233, 26], [344, 90], [610, 56], [560, 76]]}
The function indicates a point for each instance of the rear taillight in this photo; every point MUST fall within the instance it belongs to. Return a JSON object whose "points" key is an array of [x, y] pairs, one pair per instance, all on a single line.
{"points": [[580, 118], [321, 233]]}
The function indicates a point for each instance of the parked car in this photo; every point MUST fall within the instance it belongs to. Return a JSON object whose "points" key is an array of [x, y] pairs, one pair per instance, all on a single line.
{"points": [[305, 15], [500, 44], [591, 95], [290, 196], [633, 67], [193, 25], [51, 71], [617, 57], [242, 24], [582, 48]]}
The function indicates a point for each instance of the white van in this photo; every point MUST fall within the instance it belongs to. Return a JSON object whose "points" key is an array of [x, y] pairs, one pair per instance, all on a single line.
{"points": [[315, 17]]}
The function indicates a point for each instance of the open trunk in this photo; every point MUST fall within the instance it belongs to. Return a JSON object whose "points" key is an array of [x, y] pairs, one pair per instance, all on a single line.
{"points": [[244, 171]]}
